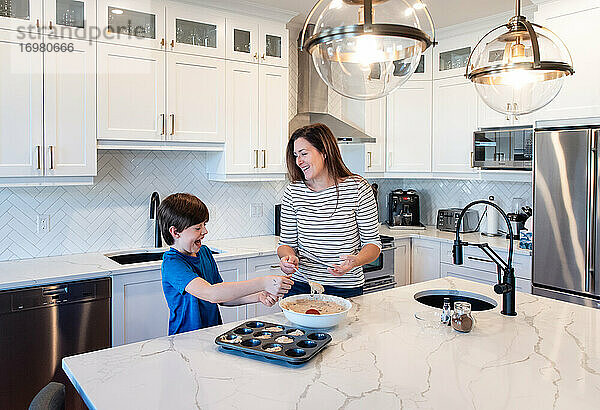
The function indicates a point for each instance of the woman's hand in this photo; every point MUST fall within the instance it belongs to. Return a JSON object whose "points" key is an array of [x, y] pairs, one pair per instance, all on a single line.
{"points": [[278, 285], [267, 299], [289, 264], [348, 262]]}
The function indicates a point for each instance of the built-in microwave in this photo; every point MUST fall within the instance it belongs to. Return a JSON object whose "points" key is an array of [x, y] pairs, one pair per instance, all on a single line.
{"points": [[503, 148]]}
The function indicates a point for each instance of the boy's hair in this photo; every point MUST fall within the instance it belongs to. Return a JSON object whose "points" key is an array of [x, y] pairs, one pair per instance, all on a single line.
{"points": [[181, 211]]}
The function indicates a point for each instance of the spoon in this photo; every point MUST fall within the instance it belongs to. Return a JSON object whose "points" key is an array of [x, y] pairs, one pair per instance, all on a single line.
{"points": [[315, 287]]}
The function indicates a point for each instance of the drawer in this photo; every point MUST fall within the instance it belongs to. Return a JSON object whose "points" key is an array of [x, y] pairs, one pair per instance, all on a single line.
{"points": [[475, 258], [476, 275]]}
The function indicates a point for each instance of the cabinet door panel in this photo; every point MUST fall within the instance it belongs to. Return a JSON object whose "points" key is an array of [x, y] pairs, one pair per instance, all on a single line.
{"points": [[455, 119], [21, 113], [409, 128], [425, 260], [242, 117], [195, 30], [21, 15], [70, 110], [375, 126], [195, 98], [70, 18], [402, 257], [580, 95], [273, 44], [273, 111], [232, 271], [257, 267], [131, 87], [242, 39], [132, 22]]}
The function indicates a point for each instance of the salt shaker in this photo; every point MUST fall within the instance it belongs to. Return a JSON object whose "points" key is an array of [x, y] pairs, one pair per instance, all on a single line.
{"points": [[446, 312], [462, 320]]}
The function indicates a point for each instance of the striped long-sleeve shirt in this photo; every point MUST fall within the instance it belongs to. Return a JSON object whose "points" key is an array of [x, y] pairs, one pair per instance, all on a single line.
{"points": [[329, 226]]}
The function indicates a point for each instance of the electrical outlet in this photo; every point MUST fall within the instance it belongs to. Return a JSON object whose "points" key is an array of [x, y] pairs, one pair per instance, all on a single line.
{"points": [[256, 210], [43, 223]]}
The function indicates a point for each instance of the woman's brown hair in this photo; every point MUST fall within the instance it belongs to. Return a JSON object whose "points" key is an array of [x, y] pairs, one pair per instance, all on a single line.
{"points": [[319, 136]]}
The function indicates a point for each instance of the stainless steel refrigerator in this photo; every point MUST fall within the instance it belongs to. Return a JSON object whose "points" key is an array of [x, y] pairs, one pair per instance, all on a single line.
{"points": [[566, 216]]}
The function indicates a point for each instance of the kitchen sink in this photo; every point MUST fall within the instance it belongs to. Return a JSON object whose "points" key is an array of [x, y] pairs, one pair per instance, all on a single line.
{"points": [[435, 298], [138, 257]]}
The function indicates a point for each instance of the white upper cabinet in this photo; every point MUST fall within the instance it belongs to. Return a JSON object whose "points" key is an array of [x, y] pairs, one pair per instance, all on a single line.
{"points": [[573, 21], [195, 98], [409, 128], [450, 56], [486, 117], [273, 44], [242, 39], [21, 99], [22, 15], [195, 30], [455, 119], [131, 99], [70, 110], [375, 126], [132, 22]]}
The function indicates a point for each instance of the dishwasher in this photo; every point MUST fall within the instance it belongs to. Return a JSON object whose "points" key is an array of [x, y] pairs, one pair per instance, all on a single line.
{"points": [[41, 325]]}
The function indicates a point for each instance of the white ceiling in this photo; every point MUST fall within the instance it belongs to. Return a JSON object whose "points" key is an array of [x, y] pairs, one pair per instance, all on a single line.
{"points": [[445, 12]]}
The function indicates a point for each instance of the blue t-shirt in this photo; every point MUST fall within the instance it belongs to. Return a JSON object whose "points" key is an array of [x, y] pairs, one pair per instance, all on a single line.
{"points": [[187, 312]]}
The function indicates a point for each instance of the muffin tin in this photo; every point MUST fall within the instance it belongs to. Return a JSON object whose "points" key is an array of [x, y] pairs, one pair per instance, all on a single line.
{"points": [[291, 344]]}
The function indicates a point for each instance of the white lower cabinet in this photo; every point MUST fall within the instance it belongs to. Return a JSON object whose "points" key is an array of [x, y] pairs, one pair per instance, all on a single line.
{"points": [[257, 267], [402, 257], [425, 260], [232, 271], [139, 308]]}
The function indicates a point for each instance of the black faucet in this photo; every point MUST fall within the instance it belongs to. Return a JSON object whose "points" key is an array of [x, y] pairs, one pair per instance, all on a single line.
{"points": [[154, 203], [506, 282]]}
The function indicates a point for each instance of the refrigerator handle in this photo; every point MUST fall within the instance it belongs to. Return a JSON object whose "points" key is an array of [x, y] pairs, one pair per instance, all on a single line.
{"points": [[591, 211]]}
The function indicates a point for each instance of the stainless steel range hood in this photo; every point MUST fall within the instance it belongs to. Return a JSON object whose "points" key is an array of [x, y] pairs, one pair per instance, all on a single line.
{"points": [[312, 103]]}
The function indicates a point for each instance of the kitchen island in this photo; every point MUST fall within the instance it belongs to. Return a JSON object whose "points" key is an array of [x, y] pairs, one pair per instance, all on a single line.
{"points": [[381, 356]]}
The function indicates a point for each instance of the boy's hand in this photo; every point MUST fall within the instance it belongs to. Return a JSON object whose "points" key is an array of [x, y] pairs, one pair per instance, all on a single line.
{"points": [[267, 299], [289, 264], [278, 285]]}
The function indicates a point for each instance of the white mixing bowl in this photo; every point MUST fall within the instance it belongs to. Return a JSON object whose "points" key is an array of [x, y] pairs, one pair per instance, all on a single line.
{"points": [[315, 321]]}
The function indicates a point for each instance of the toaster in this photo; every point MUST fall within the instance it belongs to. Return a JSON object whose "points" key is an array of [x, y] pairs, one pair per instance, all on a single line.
{"points": [[448, 218]]}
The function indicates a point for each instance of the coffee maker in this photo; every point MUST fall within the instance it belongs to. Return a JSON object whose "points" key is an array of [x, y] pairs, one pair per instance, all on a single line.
{"points": [[403, 208]]}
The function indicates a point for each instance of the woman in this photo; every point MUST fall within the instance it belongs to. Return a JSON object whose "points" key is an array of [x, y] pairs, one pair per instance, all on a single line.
{"points": [[327, 213]]}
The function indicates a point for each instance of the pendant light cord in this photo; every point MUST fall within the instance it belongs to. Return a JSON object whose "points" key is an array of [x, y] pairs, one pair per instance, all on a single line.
{"points": [[518, 8]]}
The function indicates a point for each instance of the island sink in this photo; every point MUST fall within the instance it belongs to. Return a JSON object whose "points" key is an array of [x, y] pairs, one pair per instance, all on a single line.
{"points": [[435, 298], [139, 257]]}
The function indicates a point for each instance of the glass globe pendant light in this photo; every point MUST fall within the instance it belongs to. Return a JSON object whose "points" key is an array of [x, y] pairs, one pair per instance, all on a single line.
{"points": [[519, 67], [365, 49]]}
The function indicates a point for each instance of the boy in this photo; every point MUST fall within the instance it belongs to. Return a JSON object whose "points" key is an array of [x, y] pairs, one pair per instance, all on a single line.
{"points": [[190, 277]]}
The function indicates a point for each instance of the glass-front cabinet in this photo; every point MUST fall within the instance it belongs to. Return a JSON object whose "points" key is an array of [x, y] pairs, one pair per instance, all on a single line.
{"points": [[242, 40], [451, 55], [22, 15], [69, 18], [273, 45], [195, 30], [131, 22]]}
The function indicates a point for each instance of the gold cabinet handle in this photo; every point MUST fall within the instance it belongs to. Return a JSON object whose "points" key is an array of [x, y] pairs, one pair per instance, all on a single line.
{"points": [[37, 23], [255, 158], [370, 155], [50, 25], [172, 124], [255, 56], [263, 56], [264, 151], [172, 43], [38, 149], [162, 42], [51, 149], [472, 166], [162, 122]]}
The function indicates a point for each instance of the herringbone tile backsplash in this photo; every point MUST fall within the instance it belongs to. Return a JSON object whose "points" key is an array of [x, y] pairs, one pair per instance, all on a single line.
{"points": [[114, 212]]}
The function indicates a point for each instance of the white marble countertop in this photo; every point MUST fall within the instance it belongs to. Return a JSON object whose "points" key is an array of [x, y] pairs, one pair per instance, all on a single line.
{"points": [[381, 356], [56, 269]]}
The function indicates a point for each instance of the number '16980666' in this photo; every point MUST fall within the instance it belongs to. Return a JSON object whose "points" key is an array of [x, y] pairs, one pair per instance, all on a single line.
{"points": [[47, 47]]}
